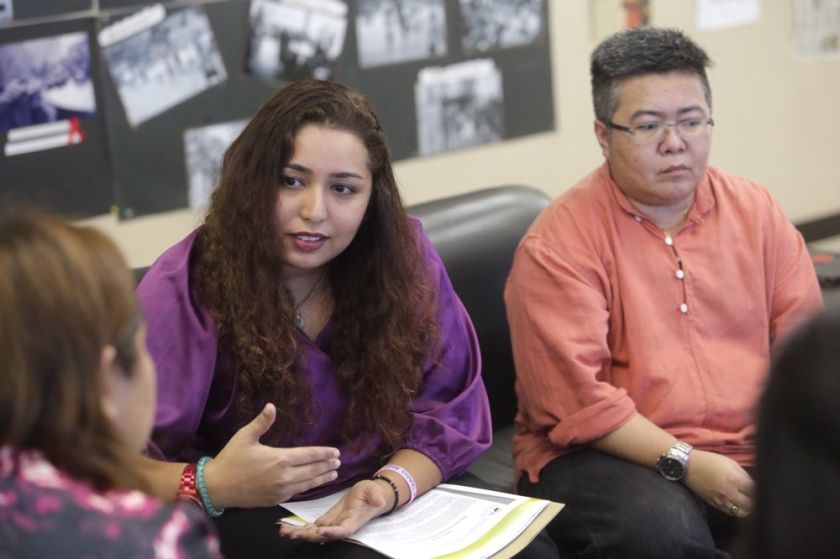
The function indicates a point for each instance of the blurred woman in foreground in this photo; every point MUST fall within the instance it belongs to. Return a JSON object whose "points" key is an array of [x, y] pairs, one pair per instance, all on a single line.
{"points": [[77, 398]]}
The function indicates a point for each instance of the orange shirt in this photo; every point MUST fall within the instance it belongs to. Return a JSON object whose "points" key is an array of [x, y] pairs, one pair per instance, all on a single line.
{"points": [[609, 316]]}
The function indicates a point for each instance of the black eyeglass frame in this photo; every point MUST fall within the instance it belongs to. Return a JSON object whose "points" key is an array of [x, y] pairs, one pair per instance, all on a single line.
{"points": [[709, 122]]}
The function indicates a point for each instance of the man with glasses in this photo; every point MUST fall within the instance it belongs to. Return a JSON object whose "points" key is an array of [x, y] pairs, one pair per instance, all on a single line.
{"points": [[642, 305]]}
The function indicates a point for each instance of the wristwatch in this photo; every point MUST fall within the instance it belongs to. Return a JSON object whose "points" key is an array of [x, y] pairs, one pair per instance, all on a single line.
{"points": [[186, 487], [672, 464]]}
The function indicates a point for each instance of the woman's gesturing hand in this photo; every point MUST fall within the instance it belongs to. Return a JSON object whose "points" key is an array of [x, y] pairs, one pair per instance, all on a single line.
{"points": [[366, 500], [247, 473]]}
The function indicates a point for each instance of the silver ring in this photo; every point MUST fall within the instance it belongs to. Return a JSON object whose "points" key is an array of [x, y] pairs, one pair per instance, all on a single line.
{"points": [[733, 510]]}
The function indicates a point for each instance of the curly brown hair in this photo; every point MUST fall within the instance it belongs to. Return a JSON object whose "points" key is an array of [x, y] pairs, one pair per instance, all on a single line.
{"points": [[384, 312]]}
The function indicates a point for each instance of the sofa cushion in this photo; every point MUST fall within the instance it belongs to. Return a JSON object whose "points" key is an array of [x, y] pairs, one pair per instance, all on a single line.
{"points": [[476, 235]]}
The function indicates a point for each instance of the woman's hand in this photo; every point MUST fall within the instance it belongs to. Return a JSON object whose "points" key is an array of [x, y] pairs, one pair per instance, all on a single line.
{"points": [[366, 500], [721, 482], [247, 473]]}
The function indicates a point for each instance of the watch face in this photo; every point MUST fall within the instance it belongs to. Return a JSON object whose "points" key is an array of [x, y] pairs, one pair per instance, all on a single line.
{"points": [[671, 468]]}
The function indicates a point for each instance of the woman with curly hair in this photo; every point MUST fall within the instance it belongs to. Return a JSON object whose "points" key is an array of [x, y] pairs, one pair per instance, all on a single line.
{"points": [[307, 336], [77, 390]]}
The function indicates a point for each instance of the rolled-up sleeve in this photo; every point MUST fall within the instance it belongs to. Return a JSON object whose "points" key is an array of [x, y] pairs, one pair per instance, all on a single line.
{"points": [[181, 339], [559, 320], [794, 290], [451, 414]]}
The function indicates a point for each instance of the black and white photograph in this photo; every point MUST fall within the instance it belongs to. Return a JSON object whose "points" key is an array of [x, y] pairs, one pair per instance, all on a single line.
{"points": [[158, 61], [6, 10], [395, 31], [45, 80], [458, 106], [295, 39], [498, 24], [204, 148]]}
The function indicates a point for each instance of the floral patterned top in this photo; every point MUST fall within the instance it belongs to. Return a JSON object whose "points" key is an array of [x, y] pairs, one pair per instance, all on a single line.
{"points": [[46, 513]]}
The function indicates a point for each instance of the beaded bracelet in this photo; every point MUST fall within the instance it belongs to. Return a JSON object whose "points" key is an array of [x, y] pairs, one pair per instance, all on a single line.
{"points": [[403, 473], [202, 488], [393, 486]]}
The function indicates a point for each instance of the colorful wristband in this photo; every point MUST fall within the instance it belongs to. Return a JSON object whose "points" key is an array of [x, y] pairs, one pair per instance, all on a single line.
{"points": [[403, 473], [393, 486], [202, 488]]}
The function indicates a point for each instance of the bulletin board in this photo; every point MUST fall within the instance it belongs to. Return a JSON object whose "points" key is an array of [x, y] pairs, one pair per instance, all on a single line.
{"points": [[50, 162], [176, 81]]}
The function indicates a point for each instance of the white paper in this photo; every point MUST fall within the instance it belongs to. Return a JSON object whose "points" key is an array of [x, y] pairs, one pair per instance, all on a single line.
{"points": [[6, 10], [447, 519], [722, 14], [817, 25]]}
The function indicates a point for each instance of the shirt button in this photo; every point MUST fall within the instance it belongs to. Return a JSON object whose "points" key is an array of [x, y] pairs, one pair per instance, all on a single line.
{"points": [[638, 218], [669, 241], [680, 274], [683, 308]]}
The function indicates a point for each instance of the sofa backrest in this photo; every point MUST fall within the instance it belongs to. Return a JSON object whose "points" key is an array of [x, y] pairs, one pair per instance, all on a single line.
{"points": [[476, 235]]}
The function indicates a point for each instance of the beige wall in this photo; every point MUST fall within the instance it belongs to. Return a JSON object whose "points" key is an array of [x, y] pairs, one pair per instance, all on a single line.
{"points": [[778, 122]]}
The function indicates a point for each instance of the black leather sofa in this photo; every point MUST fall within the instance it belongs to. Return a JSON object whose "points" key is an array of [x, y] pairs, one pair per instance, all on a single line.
{"points": [[476, 235]]}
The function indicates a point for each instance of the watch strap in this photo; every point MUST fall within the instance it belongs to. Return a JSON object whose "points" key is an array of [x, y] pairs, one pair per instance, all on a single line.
{"points": [[680, 450], [187, 490]]}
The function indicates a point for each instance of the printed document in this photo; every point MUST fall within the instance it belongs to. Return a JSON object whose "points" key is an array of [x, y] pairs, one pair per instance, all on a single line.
{"points": [[449, 521]]}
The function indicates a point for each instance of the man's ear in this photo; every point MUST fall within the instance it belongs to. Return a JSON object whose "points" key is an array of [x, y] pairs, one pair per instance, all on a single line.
{"points": [[602, 134], [108, 385]]}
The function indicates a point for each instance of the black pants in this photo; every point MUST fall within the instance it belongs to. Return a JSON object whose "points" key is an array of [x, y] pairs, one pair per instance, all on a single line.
{"points": [[253, 533], [615, 508]]}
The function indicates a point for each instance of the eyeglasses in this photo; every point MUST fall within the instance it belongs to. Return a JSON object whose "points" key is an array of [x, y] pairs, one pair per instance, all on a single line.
{"points": [[655, 132]]}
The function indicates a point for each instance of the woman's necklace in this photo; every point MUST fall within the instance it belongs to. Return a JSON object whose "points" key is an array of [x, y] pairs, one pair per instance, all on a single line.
{"points": [[299, 320]]}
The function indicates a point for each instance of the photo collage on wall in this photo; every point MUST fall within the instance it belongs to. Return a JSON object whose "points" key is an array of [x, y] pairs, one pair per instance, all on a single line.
{"points": [[149, 95]]}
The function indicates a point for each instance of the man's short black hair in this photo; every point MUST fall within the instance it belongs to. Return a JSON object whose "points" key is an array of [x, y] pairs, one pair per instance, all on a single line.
{"points": [[636, 52]]}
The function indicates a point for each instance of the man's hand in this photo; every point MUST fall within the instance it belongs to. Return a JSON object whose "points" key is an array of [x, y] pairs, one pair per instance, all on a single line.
{"points": [[247, 473], [721, 482]]}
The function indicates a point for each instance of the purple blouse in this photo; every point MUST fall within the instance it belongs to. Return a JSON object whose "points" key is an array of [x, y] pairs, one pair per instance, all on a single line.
{"points": [[46, 513], [196, 410]]}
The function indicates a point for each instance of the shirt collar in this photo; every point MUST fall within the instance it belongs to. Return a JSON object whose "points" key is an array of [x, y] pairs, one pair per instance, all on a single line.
{"points": [[704, 200]]}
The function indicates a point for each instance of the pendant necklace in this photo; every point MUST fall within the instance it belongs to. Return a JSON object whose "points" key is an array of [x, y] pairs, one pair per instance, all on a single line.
{"points": [[299, 320]]}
